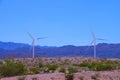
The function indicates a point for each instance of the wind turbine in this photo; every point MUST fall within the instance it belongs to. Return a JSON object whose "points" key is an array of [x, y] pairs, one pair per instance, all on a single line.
{"points": [[33, 44], [94, 42]]}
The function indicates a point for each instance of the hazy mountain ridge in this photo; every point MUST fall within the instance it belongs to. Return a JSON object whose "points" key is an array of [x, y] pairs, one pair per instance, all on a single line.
{"points": [[12, 45], [104, 50]]}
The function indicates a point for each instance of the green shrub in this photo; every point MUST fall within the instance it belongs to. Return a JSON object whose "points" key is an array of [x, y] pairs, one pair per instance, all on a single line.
{"points": [[11, 68], [81, 77], [62, 70], [1, 63], [72, 70], [98, 66], [34, 70], [69, 76], [41, 65], [102, 67], [84, 64], [1, 76], [94, 77], [52, 67]]}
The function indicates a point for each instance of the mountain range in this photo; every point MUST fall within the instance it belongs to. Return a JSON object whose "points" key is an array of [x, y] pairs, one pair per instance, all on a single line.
{"points": [[21, 50]]}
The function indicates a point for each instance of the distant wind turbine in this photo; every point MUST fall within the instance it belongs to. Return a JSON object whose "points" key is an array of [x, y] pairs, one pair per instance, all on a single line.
{"points": [[33, 43], [94, 42]]}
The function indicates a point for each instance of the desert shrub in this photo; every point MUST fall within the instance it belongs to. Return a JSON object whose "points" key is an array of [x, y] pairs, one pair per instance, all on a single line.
{"points": [[11, 68], [72, 70], [97, 66], [62, 70], [81, 77], [83, 64], [102, 67], [116, 65], [93, 65], [69, 76], [34, 70], [51, 67], [1, 62], [40, 65], [1, 76], [111, 78], [94, 77]]}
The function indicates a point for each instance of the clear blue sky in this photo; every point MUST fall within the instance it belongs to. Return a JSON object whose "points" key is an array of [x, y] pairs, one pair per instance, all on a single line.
{"points": [[64, 22]]}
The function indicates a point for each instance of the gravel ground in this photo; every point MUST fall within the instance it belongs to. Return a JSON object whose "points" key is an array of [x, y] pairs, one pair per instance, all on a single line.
{"points": [[48, 76], [102, 75], [85, 75]]}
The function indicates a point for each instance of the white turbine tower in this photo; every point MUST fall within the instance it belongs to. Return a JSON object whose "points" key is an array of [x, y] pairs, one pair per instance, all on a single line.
{"points": [[94, 41], [33, 44]]}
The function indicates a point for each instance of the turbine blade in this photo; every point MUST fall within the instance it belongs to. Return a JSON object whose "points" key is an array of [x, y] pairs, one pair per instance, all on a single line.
{"points": [[41, 38], [100, 39], [89, 46], [92, 42], [33, 43], [30, 36], [93, 35]]}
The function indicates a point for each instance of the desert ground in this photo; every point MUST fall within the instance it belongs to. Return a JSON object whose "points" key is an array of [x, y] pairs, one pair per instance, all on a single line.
{"points": [[68, 68]]}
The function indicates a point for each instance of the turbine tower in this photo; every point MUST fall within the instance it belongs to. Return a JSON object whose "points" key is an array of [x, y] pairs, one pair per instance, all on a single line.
{"points": [[33, 44], [94, 42]]}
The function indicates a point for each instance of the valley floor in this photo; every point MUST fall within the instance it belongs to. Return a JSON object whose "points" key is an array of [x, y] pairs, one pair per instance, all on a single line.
{"points": [[85, 75], [64, 68]]}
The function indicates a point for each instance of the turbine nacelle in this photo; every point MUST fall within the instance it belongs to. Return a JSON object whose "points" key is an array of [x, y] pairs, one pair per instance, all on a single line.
{"points": [[94, 38]]}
